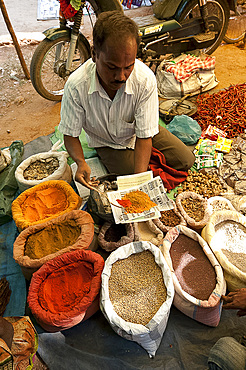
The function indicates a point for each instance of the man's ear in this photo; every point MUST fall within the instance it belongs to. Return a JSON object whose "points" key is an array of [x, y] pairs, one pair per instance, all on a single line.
{"points": [[93, 54]]}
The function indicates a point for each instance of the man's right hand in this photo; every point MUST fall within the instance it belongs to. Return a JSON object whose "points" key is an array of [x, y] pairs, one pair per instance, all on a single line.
{"points": [[83, 176]]}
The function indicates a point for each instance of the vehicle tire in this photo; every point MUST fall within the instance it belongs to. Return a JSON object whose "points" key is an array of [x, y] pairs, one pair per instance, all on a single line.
{"points": [[237, 26], [220, 8], [48, 83]]}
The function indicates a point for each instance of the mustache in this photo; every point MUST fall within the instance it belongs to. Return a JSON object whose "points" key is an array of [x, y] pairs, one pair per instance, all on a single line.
{"points": [[119, 82]]}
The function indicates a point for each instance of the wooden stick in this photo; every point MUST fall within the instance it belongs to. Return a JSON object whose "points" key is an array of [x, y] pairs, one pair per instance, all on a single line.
{"points": [[14, 38]]}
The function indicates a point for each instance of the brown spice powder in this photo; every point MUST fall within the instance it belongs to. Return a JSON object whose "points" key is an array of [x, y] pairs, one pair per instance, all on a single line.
{"points": [[192, 268]]}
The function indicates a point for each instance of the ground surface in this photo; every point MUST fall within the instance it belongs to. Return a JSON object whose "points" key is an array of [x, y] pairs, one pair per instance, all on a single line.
{"points": [[24, 115]]}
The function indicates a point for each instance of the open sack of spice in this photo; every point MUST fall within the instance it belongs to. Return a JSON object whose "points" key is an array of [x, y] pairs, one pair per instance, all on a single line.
{"points": [[65, 290], [51, 165], [197, 275], [225, 233], [43, 202], [40, 243], [194, 209], [137, 293]]}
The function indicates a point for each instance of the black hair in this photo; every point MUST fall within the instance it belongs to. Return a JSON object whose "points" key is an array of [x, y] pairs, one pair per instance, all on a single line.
{"points": [[113, 24]]}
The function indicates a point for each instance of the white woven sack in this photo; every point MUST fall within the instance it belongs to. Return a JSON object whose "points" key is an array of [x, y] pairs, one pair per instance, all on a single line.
{"points": [[5, 158], [63, 172], [169, 87], [235, 278], [149, 336], [207, 312]]}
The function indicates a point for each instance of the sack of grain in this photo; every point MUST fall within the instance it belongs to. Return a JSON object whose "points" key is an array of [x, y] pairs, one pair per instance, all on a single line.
{"points": [[112, 236], [137, 293], [42, 167], [226, 235], [197, 276], [194, 209], [44, 202], [219, 203], [40, 243], [169, 219]]}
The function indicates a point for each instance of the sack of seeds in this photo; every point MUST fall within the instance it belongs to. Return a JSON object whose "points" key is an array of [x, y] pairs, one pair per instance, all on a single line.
{"points": [[112, 236], [197, 275], [169, 219], [194, 209], [137, 293], [226, 235], [41, 167]]}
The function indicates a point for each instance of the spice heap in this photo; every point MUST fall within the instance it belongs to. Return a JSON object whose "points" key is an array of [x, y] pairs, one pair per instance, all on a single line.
{"points": [[44, 203], [170, 218], [230, 236], [205, 184], [192, 268], [194, 208], [5, 293], [136, 287], [52, 239], [40, 169], [139, 200], [225, 109]]}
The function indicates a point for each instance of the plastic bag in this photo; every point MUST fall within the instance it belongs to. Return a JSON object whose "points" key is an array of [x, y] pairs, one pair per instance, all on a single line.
{"points": [[185, 128], [8, 184]]}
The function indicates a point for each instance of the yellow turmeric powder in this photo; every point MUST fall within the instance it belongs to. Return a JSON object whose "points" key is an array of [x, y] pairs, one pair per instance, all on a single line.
{"points": [[140, 202], [51, 239]]}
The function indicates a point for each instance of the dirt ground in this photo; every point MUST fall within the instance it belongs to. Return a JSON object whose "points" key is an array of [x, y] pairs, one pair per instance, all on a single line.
{"points": [[24, 115]]}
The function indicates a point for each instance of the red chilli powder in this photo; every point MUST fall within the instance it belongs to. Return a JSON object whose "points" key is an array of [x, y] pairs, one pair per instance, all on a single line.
{"points": [[65, 288], [192, 268]]}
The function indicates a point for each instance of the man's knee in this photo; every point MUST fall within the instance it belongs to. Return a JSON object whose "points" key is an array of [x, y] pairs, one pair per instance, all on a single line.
{"points": [[227, 353]]}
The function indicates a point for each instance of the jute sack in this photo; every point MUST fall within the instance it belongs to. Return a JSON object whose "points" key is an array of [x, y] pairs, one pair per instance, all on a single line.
{"points": [[208, 311], [29, 265], [65, 290], [44, 202], [164, 227], [149, 336], [197, 225], [63, 172], [235, 277]]}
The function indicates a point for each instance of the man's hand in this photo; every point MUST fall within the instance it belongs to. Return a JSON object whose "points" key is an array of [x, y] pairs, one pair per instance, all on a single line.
{"points": [[236, 300], [83, 176]]}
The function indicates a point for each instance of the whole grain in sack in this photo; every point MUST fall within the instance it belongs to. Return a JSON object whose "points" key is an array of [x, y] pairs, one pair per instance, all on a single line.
{"points": [[226, 235], [137, 293], [38, 244], [197, 275], [65, 290], [44, 202]]}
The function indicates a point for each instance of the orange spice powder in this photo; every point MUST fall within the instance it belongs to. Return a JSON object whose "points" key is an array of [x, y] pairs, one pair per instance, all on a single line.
{"points": [[140, 202]]}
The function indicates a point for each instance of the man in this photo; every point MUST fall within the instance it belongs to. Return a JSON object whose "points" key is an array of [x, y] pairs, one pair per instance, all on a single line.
{"points": [[228, 353], [113, 97]]}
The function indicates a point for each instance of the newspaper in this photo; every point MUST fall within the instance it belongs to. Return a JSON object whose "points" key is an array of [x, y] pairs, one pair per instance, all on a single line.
{"points": [[156, 192]]}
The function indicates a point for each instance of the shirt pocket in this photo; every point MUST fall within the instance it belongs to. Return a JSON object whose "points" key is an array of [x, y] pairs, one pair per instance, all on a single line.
{"points": [[124, 129]]}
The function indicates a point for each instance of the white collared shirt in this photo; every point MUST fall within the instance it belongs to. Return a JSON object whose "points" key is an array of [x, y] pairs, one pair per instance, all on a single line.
{"points": [[114, 123]]}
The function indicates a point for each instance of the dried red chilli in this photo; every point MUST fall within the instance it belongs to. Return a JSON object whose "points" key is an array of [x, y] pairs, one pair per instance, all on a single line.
{"points": [[225, 109]]}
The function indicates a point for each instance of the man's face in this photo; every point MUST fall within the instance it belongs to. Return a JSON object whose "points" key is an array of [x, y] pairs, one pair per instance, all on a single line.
{"points": [[115, 62]]}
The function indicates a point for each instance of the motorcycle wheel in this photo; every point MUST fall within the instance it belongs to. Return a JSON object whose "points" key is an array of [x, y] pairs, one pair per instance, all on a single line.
{"points": [[47, 74], [237, 26], [220, 8]]}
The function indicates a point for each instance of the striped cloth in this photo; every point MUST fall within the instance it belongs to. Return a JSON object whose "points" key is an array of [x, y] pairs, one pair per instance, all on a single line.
{"points": [[186, 67]]}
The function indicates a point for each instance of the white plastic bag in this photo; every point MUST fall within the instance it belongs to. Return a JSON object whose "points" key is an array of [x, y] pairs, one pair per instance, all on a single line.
{"points": [[63, 172], [149, 336], [169, 87]]}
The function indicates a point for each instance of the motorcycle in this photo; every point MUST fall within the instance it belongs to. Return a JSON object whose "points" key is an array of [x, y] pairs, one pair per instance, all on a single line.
{"points": [[175, 27]]}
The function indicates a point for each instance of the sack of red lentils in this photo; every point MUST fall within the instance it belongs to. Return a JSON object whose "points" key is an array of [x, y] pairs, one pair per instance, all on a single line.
{"points": [[40, 243], [197, 275], [137, 293], [226, 235], [194, 209]]}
